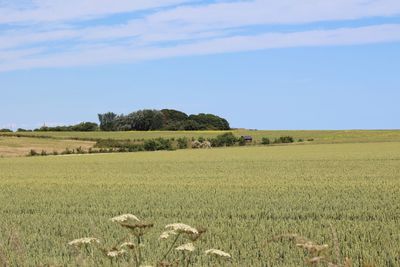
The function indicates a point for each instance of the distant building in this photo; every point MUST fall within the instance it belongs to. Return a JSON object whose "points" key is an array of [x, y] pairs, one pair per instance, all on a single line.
{"points": [[247, 138]]}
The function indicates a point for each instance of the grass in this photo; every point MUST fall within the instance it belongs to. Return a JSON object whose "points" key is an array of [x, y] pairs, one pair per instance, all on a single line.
{"points": [[339, 136], [243, 196], [13, 146]]}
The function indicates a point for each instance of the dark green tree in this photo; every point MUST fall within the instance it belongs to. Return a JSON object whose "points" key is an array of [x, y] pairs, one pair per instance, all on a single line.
{"points": [[107, 121]]}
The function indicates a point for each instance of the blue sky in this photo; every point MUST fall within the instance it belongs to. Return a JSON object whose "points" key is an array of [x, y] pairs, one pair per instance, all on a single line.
{"points": [[261, 64]]}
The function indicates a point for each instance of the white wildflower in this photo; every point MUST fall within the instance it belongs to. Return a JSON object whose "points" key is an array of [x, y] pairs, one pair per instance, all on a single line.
{"points": [[167, 234], [182, 228], [186, 247], [218, 253], [83, 241], [115, 253], [125, 218]]}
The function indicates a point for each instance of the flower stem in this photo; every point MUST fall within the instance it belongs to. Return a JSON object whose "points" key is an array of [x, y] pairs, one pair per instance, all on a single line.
{"points": [[172, 245]]}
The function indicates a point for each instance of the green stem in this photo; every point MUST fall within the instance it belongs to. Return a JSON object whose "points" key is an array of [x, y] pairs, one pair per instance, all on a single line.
{"points": [[172, 245], [139, 250]]}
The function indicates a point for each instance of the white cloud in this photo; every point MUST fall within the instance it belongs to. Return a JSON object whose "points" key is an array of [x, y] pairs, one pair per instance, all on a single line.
{"points": [[171, 29], [61, 10]]}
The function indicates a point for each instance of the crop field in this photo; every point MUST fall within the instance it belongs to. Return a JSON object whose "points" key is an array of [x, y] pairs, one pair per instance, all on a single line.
{"points": [[244, 196], [339, 136], [21, 146]]}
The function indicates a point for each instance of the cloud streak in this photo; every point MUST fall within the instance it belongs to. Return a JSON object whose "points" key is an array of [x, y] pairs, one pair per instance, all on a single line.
{"points": [[170, 28]]}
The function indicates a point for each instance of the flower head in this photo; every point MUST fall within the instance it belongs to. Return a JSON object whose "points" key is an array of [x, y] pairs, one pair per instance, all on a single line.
{"points": [[83, 241], [124, 218], [115, 253], [182, 228], [167, 234], [186, 247], [219, 253]]}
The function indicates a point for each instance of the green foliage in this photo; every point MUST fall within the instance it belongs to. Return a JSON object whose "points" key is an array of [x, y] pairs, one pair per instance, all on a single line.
{"points": [[284, 140], [242, 141], [23, 130], [158, 144], [81, 127], [107, 121], [226, 139], [265, 141], [166, 119], [147, 120], [5, 131], [173, 119], [85, 127], [210, 122], [182, 142], [33, 153]]}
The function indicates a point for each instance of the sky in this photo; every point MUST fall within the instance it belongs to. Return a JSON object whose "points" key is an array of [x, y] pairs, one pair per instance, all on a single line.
{"points": [[262, 64]]}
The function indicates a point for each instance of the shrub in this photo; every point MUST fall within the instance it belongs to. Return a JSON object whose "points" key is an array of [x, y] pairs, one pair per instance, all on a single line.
{"points": [[265, 141], [310, 139], [242, 141], [67, 151], [182, 142], [23, 130], [150, 145], [43, 153], [33, 153], [284, 139], [226, 139], [163, 144], [5, 131], [80, 150]]}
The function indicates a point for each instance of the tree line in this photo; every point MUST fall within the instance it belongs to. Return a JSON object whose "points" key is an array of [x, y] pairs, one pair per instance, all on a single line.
{"points": [[165, 119], [143, 120]]}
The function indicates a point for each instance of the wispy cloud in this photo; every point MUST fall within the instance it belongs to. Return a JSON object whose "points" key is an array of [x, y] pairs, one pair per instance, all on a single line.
{"points": [[55, 33]]}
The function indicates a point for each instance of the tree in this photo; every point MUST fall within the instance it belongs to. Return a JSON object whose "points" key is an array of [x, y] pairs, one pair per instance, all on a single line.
{"points": [[147, 120], [210, 121], [85, 127], [107, 121]]}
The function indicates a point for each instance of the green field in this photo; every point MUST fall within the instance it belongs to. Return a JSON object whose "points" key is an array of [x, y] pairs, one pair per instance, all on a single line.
{"points": [[243, 195], [318, 136]]}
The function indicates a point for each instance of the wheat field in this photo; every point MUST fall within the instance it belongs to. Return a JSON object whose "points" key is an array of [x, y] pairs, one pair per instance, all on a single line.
{"points": [[244, 196]]}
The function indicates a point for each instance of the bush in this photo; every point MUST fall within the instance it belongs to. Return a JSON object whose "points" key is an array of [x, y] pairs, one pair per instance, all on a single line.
{"points": [[33, 153], [265, 141], [23, 130], [67, 151], [157, 144], [5, 131], [80, 150], [242, 141], [164, 144], [226, 139], [284, 140], [182, 142], [150, 145]]}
